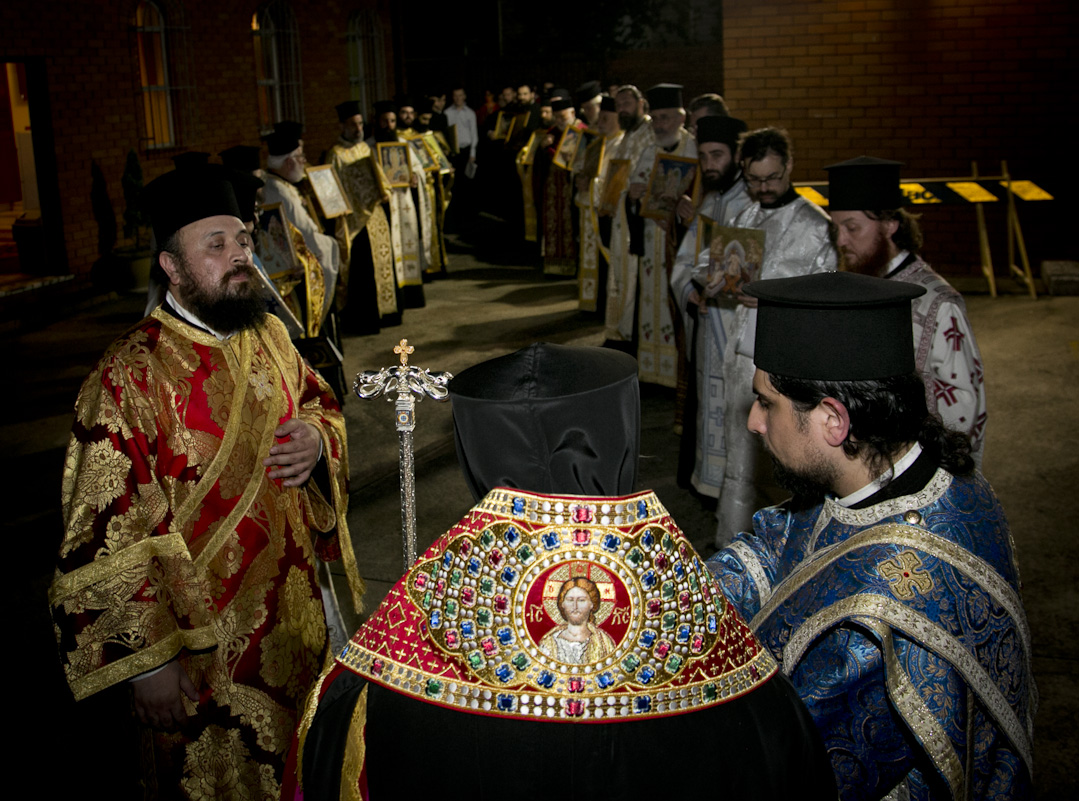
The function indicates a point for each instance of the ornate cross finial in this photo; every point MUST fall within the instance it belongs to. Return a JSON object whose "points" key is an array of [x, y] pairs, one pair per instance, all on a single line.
{"points": [[402, 350]]}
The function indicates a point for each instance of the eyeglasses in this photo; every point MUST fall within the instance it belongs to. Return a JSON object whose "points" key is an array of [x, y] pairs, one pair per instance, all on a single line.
{"points": [[753, 180]]}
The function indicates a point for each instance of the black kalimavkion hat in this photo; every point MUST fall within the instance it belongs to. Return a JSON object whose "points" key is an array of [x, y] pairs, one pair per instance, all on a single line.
{"points": [[720, 129], [834, 326], [181, 197], [864, 184], [665, 95], [549, 418]]}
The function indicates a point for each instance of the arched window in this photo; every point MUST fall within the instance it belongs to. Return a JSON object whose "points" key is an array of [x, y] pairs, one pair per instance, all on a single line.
{"points": [[164, 90], [366, 58], [154, 76], [277, 64]]}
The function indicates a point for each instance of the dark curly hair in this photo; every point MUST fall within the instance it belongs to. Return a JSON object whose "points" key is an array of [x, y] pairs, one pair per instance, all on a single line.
{"points": [[908, 236], [885, 414], [756, 145]]}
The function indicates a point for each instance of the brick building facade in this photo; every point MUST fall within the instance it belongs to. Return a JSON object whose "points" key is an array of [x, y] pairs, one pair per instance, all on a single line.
{"points": [[88, 104], [934, 84]]}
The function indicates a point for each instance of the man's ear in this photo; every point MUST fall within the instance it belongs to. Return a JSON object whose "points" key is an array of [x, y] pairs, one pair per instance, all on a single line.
{"points": [[890, 227], [836, 421], [171, 265]]}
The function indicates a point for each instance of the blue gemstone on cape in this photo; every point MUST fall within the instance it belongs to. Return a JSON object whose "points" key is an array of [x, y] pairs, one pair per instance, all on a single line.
{"points": [[509, 576], [546, 679], [550, 540], [611, 542], [679, 571], [649, 579], [505, 635], [506, 703], [474, 566], [647, 638], [503, 672], [712, 624], [647, 540], [518, 506], [683, 633], [645, 675], [604, 680], [468, 629], [447, 560], [436, 618], [642, 508], [643, 704], [511, 536]]}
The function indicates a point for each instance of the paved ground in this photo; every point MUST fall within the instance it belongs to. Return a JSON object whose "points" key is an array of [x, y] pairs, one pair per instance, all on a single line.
{"points": [[493, 304]]}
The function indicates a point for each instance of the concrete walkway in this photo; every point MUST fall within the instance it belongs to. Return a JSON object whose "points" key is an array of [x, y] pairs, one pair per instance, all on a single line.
{"points": [[490, 305]]}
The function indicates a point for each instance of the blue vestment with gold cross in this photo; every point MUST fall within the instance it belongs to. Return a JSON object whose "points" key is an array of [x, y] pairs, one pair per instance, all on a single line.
{"points": [[901, 626]]}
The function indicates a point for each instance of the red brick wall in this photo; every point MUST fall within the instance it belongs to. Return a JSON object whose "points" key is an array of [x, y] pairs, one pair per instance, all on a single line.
{"points": [[93, 82], [933, 84]]}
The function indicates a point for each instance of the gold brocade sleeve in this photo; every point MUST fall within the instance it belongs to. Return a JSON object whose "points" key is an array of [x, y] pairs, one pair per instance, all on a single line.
{"points": [[127, 596]]}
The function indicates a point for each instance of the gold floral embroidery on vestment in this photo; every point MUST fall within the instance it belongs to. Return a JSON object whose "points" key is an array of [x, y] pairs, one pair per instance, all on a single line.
{"points": [[80, 520], [227, 561], [102, 474], [218, 765], [121, 531], [293, 645], [259, 379], [218, 388], [131, 354], [273, 723]]}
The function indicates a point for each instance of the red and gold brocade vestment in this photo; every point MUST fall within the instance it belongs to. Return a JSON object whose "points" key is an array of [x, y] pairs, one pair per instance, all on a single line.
{"points": [[177, 545]]}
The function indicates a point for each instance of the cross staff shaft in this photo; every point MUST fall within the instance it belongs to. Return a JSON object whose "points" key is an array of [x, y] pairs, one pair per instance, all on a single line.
{"points": [[412, 385]]}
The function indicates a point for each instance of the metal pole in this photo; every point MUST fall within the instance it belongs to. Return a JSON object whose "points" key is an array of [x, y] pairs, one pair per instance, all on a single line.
{"points": [[412, 385]]}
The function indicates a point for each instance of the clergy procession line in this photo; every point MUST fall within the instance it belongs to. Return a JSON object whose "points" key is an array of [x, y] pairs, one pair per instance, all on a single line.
{"points": [[867, 636]]}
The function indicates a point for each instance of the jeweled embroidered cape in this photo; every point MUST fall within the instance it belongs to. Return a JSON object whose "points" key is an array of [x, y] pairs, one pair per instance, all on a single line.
{"points": [[454, 663]]}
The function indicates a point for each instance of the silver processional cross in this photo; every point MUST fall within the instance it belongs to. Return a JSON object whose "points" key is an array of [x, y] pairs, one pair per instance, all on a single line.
{"points": [[412, 385]]}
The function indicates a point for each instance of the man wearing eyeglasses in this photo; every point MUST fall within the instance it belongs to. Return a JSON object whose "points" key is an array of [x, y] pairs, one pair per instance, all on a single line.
{"points": [[796, 242]]}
